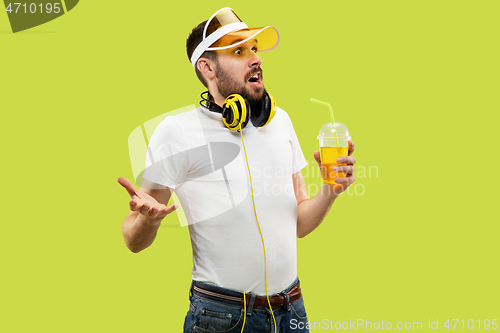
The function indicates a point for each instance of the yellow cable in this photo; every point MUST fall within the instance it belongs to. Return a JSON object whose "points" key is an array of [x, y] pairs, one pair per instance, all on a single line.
{"points": [[244, 307], [258, 225]]}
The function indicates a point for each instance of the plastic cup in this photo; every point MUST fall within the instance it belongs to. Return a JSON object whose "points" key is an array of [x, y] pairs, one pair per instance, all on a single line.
{"points": [[333, 143]]}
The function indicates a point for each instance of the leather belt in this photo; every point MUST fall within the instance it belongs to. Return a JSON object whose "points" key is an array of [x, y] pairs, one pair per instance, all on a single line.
{"points": [[282, 299]]}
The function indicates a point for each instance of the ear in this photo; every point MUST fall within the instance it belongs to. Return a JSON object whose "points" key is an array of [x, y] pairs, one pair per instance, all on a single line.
{"points": [[206, 67]]}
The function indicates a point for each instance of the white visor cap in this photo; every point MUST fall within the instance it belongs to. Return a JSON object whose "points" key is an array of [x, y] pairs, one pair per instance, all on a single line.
{"points": [[225, 22]]}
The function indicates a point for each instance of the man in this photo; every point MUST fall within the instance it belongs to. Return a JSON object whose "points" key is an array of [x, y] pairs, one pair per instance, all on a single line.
{"points": [[243, 232]]}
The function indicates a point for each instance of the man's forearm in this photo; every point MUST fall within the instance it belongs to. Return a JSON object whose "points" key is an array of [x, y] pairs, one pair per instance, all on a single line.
{"points": [[138, 232], [311, 212]]}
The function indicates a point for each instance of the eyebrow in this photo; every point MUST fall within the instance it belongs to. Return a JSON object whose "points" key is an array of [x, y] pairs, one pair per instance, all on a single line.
{"points": [[240, 39]]}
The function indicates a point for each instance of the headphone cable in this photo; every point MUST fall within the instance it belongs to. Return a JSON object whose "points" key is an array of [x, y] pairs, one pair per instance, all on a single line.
{"points": [[261, 236]]}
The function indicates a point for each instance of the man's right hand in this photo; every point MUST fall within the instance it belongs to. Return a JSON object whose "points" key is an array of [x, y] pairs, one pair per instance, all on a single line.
{"points": [[147, 206]]}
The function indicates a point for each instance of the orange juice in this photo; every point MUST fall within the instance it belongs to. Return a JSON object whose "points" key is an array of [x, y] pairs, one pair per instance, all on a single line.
{"points": [[329, 157]]}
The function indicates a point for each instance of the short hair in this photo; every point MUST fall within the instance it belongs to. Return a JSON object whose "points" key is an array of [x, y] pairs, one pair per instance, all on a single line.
{"points": [[192, 42]]}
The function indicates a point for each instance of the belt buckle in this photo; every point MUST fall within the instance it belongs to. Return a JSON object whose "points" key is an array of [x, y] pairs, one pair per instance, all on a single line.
{"points": [[287, 299]]}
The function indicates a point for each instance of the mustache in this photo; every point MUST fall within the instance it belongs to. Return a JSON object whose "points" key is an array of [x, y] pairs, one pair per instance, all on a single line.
{"points": [[253, 71]]}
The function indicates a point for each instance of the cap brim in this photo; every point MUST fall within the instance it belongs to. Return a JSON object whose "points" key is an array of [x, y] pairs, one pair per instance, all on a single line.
{"points": [[267, 38]]}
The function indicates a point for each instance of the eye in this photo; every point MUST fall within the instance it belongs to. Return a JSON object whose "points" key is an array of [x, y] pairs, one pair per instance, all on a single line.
{"points": [[254, 49], [237, 51]]}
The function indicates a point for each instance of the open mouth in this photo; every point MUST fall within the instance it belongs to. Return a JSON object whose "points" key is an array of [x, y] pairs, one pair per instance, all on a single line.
{"points": [[256, 79]]}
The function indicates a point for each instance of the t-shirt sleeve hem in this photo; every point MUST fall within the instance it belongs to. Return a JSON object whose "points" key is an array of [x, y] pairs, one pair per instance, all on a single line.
{"points": [[160, 181], [299, 166]]}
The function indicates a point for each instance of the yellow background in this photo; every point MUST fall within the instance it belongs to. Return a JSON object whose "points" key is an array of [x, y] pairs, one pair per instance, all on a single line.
{"points": [[416, 82]]}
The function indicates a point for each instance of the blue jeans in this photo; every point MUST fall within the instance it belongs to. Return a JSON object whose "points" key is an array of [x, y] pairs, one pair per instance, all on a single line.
{"points": [[209, 316]]}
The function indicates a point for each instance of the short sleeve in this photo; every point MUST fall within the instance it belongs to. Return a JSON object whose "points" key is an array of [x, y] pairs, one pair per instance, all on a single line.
{"points": [[299, 161], [167, 158]]}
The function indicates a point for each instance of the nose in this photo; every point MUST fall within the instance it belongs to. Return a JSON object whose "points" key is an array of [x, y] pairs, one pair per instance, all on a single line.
{"points": [[255, 60]]}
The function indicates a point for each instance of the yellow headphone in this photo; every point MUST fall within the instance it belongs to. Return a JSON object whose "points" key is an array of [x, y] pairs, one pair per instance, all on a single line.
{"points": [[236, 110]]}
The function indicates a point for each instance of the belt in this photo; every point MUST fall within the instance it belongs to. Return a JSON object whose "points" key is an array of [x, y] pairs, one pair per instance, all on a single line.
{"points": [[282, 299]]}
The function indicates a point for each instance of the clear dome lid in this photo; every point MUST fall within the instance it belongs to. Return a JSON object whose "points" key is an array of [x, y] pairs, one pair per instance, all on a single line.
{"points": [[334, 135], [332, 131]]}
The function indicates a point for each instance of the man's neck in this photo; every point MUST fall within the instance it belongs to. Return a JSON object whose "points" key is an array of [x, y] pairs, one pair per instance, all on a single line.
{"points": [[216, 97]]}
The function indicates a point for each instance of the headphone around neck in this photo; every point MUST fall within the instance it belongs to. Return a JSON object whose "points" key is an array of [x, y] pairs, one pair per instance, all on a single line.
{"points": [[236, 110]]}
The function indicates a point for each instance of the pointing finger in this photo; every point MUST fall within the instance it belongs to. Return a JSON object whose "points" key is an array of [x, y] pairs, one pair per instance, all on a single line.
{"points": [[128, 186]]}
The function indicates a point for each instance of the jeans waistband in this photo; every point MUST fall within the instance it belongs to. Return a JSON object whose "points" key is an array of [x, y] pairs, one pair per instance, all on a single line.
{"points": [[235, 297]]}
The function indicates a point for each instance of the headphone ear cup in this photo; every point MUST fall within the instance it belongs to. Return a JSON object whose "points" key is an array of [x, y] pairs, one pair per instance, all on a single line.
{"points": [[227, 114], [244, 121], [235, 112], [267, 112], [273, 109]]}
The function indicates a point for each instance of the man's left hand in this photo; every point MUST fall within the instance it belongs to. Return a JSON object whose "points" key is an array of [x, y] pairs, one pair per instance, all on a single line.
{"points": [[342, 183]]}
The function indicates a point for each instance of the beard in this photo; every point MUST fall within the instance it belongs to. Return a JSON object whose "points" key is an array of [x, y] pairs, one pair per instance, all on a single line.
{"points": [[228, 85]]}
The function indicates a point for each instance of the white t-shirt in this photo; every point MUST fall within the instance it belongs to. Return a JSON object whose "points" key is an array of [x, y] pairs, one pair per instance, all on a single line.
{"points": [[204, 163]]}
